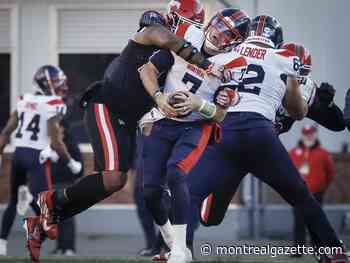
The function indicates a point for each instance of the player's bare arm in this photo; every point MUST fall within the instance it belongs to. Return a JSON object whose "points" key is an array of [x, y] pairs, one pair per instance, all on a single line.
{"points": [[56, 137], [293, 101], [11, 125], [149, 76], [192, 102], [160, 36]]}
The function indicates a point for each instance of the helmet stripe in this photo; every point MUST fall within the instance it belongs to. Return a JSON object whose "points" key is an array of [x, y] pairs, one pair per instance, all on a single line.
{"points": [[261, 24]]}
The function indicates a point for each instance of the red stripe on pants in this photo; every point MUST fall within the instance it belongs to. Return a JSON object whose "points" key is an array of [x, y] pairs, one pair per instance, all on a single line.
{"points": [[187, 164]]}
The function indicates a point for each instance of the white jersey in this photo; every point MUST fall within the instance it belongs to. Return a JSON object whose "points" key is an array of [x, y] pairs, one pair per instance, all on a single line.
{"points": [[185, 76], [261, 87], [33, 113], [196, 37]]}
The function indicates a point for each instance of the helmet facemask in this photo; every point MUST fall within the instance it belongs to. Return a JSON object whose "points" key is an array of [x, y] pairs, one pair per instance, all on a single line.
{"points": [[221, 36]]}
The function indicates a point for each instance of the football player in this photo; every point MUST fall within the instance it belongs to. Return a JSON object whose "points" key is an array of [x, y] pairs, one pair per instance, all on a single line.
{"points": [[36, 125], [112, 108], [249, 141], [322, 108], [185, 18], [175, 144]]}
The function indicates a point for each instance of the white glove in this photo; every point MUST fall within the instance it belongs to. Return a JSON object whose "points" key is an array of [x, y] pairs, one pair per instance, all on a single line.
{"points": [[48, 154], [74, 166]]}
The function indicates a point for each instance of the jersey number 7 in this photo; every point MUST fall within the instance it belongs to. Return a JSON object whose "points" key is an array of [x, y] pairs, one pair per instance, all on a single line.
{"points": [[196, 83]]}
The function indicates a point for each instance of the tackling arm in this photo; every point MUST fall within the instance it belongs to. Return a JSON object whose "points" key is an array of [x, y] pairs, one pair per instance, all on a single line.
{"points": [[11, 125], [160, 36]]}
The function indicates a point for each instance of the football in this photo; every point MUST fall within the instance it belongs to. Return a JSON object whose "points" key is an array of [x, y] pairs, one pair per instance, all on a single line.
{"points": [[177, 98]]}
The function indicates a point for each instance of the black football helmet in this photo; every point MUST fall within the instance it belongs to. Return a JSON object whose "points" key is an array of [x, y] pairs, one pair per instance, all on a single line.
{"points": [[226, 29], [50, 80], [267, 30], [150, 18]]}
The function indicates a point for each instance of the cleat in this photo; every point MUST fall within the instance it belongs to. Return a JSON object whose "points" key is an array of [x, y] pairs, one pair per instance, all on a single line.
{"points": [[45, 203], [34, 235]]}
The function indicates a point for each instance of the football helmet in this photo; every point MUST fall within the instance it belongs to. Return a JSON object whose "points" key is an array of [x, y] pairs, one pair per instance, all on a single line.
{"points": [[185, 11], [303, 54], [151, 17], [226, 29], [266, 30], [50, 80]]}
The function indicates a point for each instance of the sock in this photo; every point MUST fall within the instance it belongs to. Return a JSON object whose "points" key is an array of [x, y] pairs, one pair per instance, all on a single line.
{"points": [[84, 193], [167, 232], [179, 236]]}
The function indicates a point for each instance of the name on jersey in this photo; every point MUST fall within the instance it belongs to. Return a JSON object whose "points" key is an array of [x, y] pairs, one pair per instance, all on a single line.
{"points": [[31, 105], [195, 70], [258, 53]]}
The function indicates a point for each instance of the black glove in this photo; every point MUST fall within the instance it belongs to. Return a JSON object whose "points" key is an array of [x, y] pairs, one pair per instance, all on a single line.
{"points": [[325, 93]]}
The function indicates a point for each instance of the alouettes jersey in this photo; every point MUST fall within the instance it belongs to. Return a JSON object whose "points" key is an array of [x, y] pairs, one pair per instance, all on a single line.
{"points": [[196, 37], [261, 86], [33, 113]]}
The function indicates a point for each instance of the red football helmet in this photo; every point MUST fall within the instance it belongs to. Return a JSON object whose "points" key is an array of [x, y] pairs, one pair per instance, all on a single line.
{"points": [[303, 54], [226, 29], [185, 11]]}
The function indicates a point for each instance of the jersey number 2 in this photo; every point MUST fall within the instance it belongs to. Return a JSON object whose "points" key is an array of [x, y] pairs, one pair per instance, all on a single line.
{"points": [[259, 78], [33, 126]]}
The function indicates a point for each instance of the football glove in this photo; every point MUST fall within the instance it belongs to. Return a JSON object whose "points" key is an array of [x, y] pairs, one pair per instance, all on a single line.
{"points": [[48, 154], [74, 166], [325, 93]]}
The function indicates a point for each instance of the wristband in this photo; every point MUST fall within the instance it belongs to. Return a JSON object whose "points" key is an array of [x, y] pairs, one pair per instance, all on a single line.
{"points": [[156, 94], [207, 109]]}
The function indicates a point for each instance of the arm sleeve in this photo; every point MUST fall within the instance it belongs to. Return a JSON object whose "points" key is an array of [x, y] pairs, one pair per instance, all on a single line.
{"points": [[329, 117], [163, 60]]}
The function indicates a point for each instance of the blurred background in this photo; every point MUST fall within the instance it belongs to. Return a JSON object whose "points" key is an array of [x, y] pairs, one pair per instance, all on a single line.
{"points": [[83, 36]]}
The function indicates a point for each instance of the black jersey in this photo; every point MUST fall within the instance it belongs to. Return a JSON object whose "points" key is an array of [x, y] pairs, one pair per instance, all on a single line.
{"points": [[124, 92]]}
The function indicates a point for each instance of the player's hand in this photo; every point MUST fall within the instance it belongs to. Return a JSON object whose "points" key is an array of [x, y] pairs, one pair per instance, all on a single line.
{"points": [[190, 102], [216, 70], [325, 93], [48, 154], [74, 166], [164, 106], [227, 97]]}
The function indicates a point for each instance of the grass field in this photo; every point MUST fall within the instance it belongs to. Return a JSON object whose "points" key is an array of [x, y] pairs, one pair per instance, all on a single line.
{"points": [[252, 259]]}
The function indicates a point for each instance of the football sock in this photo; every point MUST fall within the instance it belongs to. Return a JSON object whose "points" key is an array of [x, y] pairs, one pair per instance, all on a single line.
{"points": [[167, 233], [81, 195], [179, 236]]}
